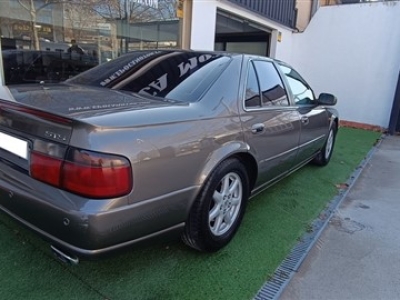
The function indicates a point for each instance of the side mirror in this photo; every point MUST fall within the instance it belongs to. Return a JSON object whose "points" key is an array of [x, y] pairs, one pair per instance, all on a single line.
{"points": [[327, 99]]}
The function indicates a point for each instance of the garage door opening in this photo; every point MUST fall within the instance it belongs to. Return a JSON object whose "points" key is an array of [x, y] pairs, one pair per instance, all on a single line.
{"points": [[235, 34]]}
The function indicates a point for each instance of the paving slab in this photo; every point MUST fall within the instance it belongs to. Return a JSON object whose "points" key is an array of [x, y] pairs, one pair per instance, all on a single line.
{"points": [[358, 254]]}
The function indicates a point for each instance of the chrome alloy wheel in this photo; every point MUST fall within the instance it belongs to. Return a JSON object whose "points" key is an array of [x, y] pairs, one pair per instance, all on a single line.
{"points": [[329, 144], [225, 204]]}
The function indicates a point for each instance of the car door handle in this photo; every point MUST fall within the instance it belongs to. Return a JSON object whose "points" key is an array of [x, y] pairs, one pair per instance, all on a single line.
{"points": [[305, 120], [256, 128]]}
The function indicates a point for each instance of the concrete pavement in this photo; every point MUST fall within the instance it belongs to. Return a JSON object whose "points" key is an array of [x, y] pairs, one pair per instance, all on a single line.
{"points": [[358, 254]]}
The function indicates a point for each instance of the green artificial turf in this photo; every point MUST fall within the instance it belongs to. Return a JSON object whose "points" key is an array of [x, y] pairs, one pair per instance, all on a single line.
{"points": [[272, 224]]}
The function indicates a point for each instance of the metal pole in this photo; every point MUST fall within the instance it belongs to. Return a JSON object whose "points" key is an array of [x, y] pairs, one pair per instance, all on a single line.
{"points": [[98, 46], [127, 15], [2, 79], [394, 124]]}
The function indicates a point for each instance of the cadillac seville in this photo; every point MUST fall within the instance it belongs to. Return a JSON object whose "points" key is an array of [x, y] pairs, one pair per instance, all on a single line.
{"points": [[156, 142]]}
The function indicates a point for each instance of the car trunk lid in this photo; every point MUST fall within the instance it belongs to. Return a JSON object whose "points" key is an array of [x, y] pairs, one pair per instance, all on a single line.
{"points": [[37, 143], [81, 102], [21, 125]]}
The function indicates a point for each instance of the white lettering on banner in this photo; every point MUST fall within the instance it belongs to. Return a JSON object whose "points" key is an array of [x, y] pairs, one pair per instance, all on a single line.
{"points": [[149, 3], [204, 57], [185, 67], [160, 84], [128, 66], [193, 62]]}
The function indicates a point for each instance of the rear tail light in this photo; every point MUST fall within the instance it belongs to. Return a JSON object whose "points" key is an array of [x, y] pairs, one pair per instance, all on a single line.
{"points": [[45, 168], [96, 175], [87, 173]]}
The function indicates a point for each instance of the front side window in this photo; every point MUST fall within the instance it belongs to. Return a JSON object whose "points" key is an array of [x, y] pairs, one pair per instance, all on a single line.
{"points": [[302, 93], [272, 89]]}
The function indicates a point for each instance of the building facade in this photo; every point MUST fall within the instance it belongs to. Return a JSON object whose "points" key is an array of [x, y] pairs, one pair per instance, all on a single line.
{"points": [[39, 30]]}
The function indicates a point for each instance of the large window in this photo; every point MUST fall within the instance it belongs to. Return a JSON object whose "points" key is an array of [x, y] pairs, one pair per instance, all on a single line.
{"points": [[43, 40]]}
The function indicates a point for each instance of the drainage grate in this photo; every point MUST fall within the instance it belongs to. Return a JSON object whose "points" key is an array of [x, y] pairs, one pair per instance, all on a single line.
{"points": [[273, 288]]}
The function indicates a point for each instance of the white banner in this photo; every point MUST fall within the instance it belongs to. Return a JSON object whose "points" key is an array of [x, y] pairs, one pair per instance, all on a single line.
{"points": [[150, 3]]}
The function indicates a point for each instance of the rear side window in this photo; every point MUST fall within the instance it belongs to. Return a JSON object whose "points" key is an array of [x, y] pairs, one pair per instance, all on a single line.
{"points": [[272, 89], [264, 86], [253, 99]]}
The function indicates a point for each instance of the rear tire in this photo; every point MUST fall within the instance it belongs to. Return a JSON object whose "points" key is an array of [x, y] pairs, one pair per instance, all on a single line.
{"points": [[218, 210], [324, 156]]}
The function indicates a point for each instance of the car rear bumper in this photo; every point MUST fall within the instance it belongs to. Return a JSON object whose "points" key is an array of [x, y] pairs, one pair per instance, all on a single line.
{"points": [[95, 253], [87, 227]]}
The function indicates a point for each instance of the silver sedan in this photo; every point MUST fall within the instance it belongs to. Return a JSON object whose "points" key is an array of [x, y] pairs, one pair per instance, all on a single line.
{"points": [[153, 143]]}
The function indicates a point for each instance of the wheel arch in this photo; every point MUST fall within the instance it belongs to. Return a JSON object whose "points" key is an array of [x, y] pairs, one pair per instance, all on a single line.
{"points": [[335, 121], [334, 118], [238, 150], [250, 164]]}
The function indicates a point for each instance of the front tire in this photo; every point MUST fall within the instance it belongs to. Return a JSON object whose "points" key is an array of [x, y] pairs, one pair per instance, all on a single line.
{"points": [[324, 156], [218, 210]]}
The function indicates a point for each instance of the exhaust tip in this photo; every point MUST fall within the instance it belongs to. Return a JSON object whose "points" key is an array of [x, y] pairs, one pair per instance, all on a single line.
{"points": [[64, 257]]}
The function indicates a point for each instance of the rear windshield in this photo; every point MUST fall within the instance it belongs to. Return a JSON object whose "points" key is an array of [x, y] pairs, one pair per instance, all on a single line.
{"points": [[176, 75]]}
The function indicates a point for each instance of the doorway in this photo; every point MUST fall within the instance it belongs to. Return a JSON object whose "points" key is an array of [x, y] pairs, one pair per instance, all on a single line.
{"points": [[235, 34]]}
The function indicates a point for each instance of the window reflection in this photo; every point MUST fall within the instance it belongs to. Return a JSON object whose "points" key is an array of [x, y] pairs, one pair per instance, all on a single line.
{"points": [[272, 90], [301, 92], [68, 37], [252, 90], [30, 66]]}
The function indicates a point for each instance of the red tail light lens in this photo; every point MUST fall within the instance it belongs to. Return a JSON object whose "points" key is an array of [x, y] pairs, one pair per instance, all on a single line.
{"points": [[45, 168], [96, 175], [87, 173]]}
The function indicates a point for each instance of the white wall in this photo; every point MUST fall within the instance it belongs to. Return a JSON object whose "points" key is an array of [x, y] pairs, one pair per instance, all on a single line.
{"points": [[284, 47], [353, 51], [204, 17]]}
